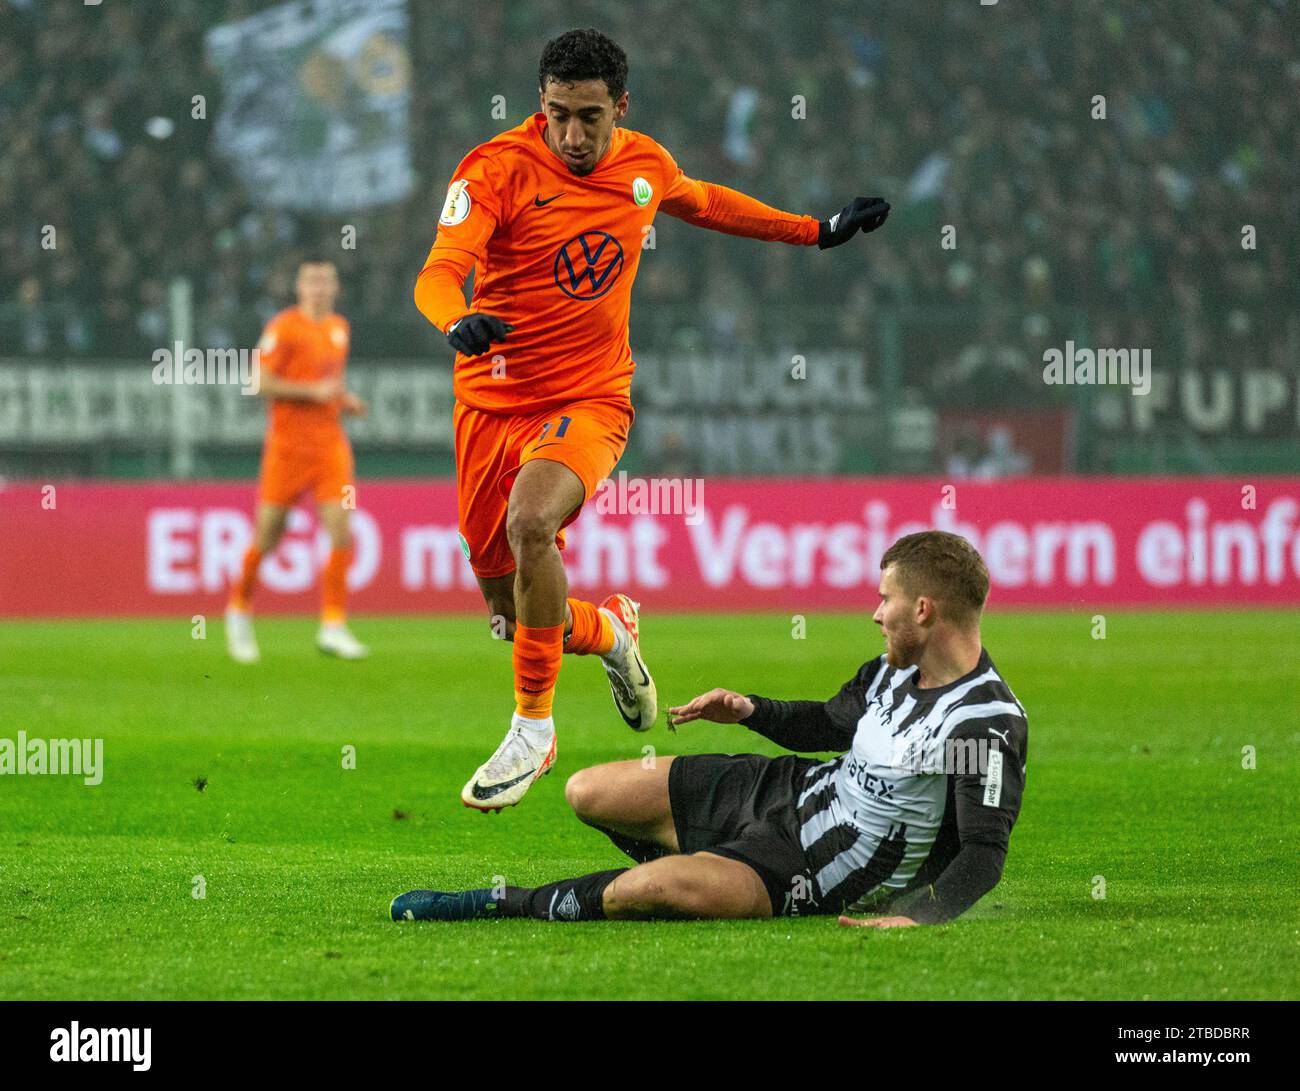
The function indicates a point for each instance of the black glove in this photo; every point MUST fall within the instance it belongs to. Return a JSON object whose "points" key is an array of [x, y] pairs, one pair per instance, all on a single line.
{"points": [[862, 214], [473, 334]]}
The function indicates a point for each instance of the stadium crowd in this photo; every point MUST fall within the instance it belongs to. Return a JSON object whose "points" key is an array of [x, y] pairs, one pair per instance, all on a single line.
{"points": [[979, 117]]}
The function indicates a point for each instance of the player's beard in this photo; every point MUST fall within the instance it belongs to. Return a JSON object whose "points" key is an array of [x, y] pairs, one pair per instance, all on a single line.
{"points": [[902, 649]]}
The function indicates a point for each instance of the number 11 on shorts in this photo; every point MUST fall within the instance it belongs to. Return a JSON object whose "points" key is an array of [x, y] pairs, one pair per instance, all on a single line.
{"points": [[559, 432]]}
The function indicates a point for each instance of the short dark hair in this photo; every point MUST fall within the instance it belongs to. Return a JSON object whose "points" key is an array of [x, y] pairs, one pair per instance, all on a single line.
{"points": [[584, 55], [944, 567]]}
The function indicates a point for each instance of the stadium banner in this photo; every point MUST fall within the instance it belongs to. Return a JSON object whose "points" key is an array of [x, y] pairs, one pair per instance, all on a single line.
{"points": [[793, 544], [316, 102]]}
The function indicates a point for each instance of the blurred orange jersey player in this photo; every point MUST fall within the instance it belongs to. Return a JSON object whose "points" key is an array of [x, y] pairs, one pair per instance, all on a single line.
{"points": [[302, 356], [552, 216]]}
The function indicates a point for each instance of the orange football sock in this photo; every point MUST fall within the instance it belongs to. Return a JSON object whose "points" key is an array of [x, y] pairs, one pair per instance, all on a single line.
{"points": [[592, 632], [241, 593], [537, 658], [334, 586]]}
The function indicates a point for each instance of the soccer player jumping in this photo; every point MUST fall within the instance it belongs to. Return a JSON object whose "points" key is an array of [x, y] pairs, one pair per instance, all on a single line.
{"points": [[551, 216]]}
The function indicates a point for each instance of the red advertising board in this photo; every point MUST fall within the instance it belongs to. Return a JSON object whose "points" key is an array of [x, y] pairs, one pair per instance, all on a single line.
{"points": [[798, 544]]}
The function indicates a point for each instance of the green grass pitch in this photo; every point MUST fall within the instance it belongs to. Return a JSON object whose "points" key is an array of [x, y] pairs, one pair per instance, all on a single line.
{"points": [[1135, 775]]}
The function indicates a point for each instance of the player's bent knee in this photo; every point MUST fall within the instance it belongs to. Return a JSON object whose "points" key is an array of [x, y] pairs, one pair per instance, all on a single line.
{"points": [[528, 531], [584, 793], [577, 792]]}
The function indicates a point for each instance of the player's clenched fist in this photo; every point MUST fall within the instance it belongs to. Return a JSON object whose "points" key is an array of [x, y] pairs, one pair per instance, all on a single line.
{"points": [[473, 335], [861, 214], [722, 706]]}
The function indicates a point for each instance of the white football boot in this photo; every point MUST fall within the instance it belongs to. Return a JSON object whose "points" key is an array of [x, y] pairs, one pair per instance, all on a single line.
{"points": [[527, 752], [335, 638], [633, 688], [240, 641]]}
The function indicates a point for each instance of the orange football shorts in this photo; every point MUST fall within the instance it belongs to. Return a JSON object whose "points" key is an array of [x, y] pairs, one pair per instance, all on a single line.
{"points": [[289, 470], [586, 436]]}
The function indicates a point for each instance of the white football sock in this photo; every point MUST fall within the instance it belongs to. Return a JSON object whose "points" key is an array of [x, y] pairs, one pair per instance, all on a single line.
{"points": [[539, 732]]}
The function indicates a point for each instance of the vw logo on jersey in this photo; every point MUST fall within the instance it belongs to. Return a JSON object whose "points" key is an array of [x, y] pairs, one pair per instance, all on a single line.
{"points": [[587, 266]]}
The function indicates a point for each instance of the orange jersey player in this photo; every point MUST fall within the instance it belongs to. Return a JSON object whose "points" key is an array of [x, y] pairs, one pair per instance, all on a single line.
{"points": [[302, 356], [551, 215]]}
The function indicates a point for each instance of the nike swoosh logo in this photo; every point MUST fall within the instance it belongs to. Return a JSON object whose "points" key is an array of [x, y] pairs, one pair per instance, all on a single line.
{"points": [[539, 203], [496, 789], [634, 722], [616, 688]]}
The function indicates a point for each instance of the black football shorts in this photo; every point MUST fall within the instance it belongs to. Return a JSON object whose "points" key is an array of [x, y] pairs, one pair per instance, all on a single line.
{"points": [[742, 806]]}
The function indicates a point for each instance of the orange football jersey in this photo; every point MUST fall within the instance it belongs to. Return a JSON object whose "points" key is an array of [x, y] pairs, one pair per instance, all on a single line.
{"points": [[555, 254], [302, 350]]}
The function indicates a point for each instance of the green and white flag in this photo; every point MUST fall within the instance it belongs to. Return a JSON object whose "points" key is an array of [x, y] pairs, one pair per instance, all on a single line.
{"points": [[316, 97]]}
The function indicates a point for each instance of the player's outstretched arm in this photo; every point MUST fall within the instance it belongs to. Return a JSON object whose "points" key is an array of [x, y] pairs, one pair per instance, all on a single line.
{"points": [[806, 727], [801, 726], [813, 727], [721, 706], [707, 204]]}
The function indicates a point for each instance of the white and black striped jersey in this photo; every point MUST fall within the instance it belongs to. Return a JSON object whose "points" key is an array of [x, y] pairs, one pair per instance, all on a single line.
{"points": [[922, 801]]}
